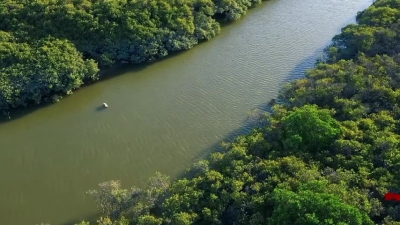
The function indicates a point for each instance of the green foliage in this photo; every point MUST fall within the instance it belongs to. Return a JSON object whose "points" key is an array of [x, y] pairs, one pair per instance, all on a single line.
{"points": [[377, 32], [310, 129], [108, 221], [46, 68], [82, 223], [312, 205], [149, 220], [115, 202], [183, 219]]}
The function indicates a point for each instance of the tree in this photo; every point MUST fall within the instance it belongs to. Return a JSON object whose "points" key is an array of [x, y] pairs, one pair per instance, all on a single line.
{"points": [[309, 128], [311, 205], [115, 202], [149, 220], [45, 69]]}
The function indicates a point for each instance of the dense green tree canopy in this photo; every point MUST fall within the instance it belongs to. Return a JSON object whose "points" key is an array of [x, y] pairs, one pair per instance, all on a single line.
{"points": [[309, 128], [46, 68], [312, 205]]}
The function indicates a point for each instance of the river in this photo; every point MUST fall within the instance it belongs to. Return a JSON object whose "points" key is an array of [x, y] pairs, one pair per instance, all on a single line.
{"points": [[161, 117]]}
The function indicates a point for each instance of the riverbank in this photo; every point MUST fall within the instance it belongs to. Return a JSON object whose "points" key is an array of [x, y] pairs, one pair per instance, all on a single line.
{"points": [[328, 155], [46, 62]]}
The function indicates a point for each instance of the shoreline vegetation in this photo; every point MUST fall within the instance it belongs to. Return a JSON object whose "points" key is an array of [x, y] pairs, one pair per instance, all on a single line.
{"points": [[328, 153], [48, 48]]}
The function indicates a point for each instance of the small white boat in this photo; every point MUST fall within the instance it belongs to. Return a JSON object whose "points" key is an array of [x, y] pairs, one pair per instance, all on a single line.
{"points": [[105, 105]]}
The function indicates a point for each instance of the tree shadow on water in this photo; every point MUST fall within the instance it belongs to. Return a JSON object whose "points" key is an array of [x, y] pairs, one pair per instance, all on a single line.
{"points": [[300, 70], [92, 219], [249, 124]]}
